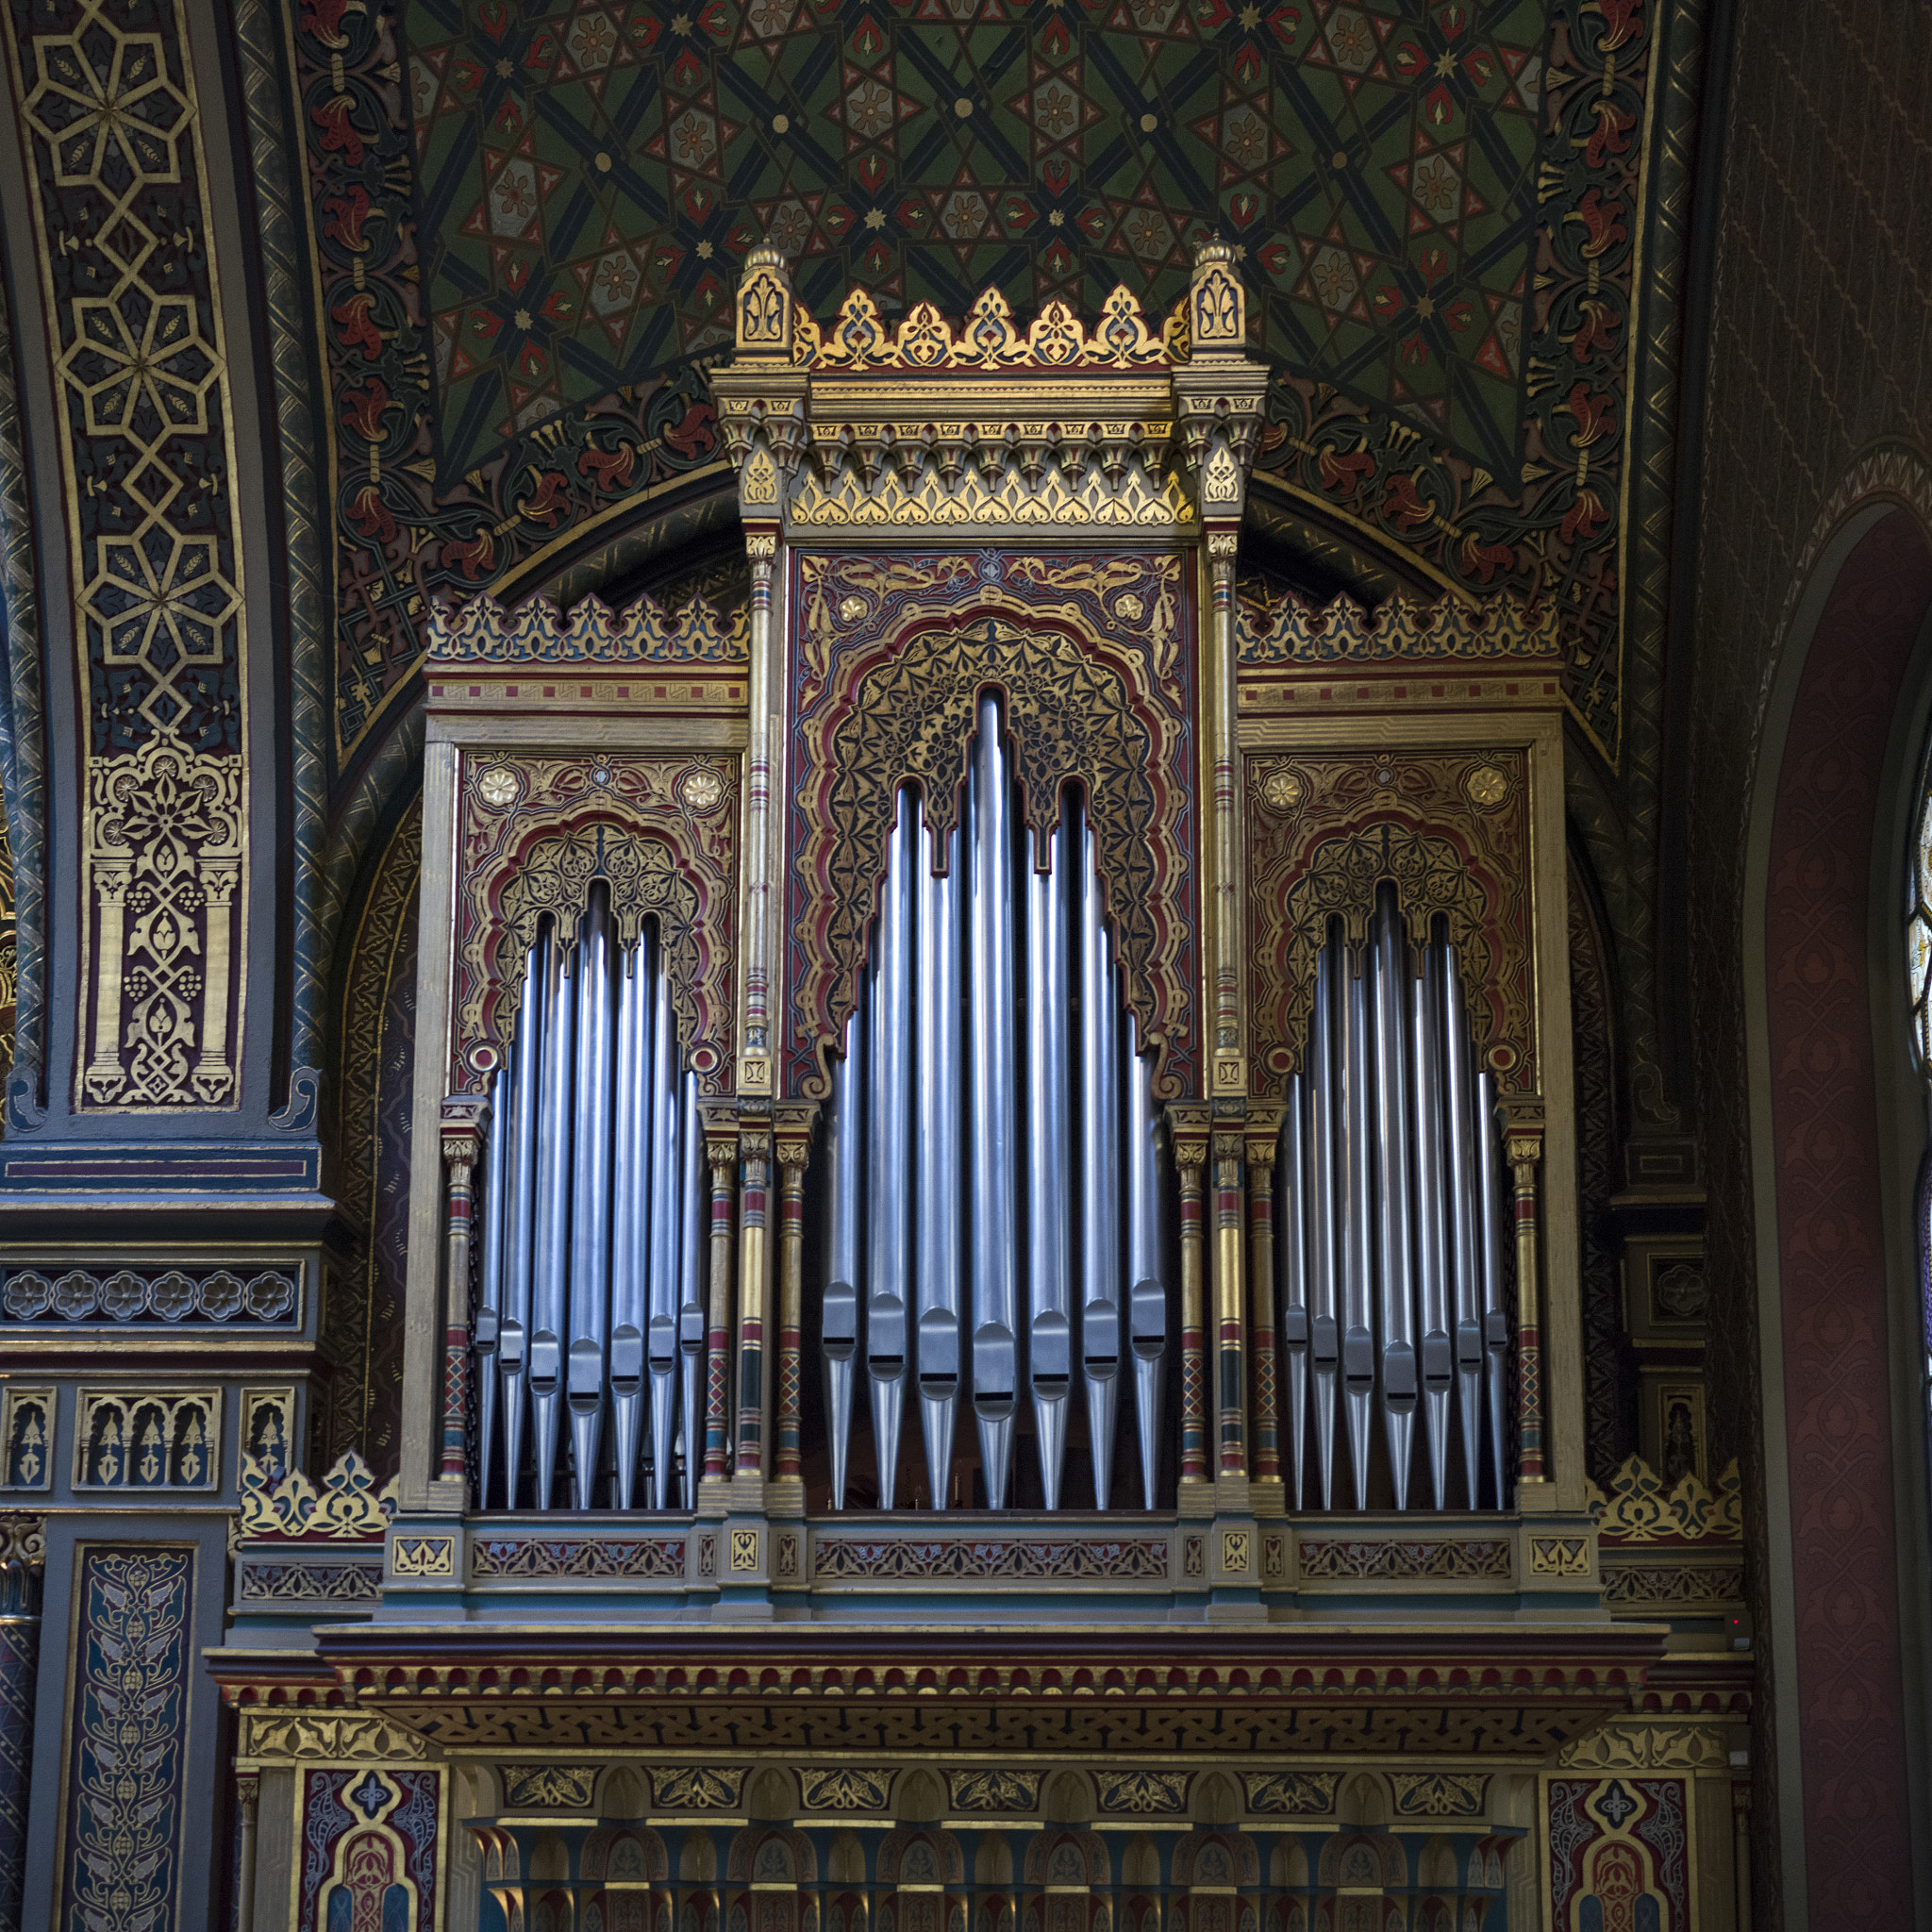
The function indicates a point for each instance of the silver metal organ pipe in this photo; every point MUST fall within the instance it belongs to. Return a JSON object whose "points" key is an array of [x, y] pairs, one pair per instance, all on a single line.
{"points": [[888, 1151], [1100, 1167], [694, 1210], [526, 1063], [1147, 1300], [550, 1267], [590, 1265], [1357, 1228], [662, 1173], [995, 1371], [1327, 1169], [1495, 1316], [1291, 1271], [1396, 1307], [839, 1319], [937, 1178], [1432, 1217], [629, 1216], [1049, 1337], [489, 1295], [1465, 1218]]}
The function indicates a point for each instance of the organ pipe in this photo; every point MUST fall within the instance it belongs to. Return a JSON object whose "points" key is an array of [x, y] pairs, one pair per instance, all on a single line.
{"points": [[1465, 1215], [520, 1210], [1414, 1203], [664, 1246], [1488, 1173], [887, 1157], [594, 1260], [1325, 1149], [839, 1323], [693, 1261], [1100, 1158], [1049, 1332], [936, 1177], [1395, 1252], [630, 1219], [490, 1293], [590, 1238], [991, 1068], [1291, 1264], [550, 1274], [1147, 1302]]}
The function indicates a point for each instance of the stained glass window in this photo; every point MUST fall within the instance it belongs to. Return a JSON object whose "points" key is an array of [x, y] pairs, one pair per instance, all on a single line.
{"points": [[1919, 933]]}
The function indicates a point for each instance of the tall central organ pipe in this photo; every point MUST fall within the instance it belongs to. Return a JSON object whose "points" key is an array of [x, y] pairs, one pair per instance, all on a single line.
{"points": [[951, 1149]]}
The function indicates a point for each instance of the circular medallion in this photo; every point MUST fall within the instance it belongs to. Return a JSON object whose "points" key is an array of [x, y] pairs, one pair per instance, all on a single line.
{"points": [[1283, 790], [497, 786], [700, 789], [1385, 776], [483, 1058], [600, 776], [1502, 1056], [1487, 787]]}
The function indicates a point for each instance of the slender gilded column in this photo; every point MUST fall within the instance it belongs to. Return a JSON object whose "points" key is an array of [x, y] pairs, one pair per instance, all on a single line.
{"points": [[465, 1121], [1230, 1315], [1190, 1126], [793, 1137], [247, 1806], [1525, 1150], [755, 1071], [1264, 1126], [754, 1271], [1230, 1063], [22, 1555], [720, 1154]]}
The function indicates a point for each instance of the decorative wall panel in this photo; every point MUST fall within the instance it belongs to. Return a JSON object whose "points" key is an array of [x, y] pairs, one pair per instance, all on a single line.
{"points": [[1090, 655], [367, 1850], [244, 1297], [111, 126], [1452, 829], [533, 833], [360, 1325], [125, 1803], [1622, 1846]]}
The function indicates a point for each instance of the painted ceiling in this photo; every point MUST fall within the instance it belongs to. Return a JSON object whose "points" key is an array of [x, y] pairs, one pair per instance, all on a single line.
{"points": [[590, 173], [1440, 211]]}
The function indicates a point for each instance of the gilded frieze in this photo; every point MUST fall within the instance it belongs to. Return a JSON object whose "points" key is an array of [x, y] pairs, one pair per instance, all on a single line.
{"points": [[1452, 831], [111, 124], [1088, 652], [534, 833], [536, 632]]}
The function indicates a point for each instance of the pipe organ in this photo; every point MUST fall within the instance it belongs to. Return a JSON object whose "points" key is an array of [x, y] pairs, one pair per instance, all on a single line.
{"points": [[993, 1166], [1031, 1024], [591, 1307]]}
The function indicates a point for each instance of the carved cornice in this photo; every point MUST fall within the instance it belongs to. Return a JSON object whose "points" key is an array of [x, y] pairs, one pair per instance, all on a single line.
{"points": [[857, 428], [1402, 1693], [536, 632]]}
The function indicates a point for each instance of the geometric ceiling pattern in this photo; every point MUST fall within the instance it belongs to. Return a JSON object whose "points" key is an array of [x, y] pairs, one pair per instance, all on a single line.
{"points": [[1440, 213], [590, 173]]}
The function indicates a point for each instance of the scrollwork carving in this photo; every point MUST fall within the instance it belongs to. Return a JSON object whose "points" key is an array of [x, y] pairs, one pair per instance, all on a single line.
{"points": [[893, 656], [1324, 829], [535, 833]]}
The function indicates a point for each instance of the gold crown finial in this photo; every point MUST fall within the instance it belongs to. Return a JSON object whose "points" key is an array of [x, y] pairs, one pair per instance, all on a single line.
{"points": [[765, 304], [1217, 304]]}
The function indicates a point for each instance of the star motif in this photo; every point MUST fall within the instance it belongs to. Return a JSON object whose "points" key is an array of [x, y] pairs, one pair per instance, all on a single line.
{"points": [[874, 218]]}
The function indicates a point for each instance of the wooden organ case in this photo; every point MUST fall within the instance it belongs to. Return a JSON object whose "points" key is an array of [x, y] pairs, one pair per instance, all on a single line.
{"points": [[995, 1335]]}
